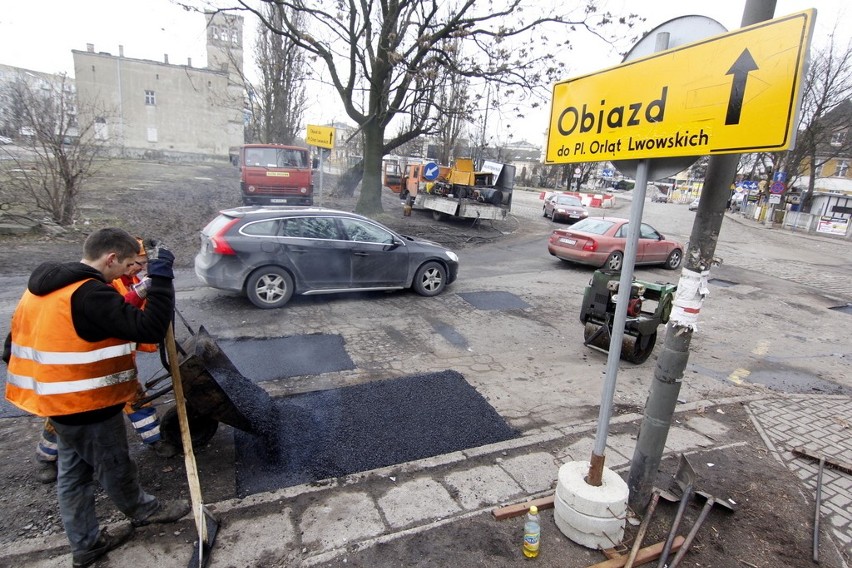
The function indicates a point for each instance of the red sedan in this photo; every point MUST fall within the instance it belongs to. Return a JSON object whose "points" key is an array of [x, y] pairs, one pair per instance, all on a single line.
{"points": [[600, 241], [564, 207]]}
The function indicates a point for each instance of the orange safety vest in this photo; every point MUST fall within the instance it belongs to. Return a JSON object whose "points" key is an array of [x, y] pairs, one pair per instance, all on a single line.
{"points": [[119, 285], [53, 372]]}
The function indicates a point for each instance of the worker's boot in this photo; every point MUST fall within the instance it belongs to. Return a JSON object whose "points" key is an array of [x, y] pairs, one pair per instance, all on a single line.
{"points": [[46, 471], [106, 541], [167, 512]]}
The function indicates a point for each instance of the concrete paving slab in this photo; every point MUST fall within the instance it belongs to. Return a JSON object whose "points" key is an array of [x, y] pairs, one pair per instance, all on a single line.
{"points": [[340, 518], [581, 450], [683, 440], [255, 541], [534, 472], [417, 500], [707, 426], [483, 485]]}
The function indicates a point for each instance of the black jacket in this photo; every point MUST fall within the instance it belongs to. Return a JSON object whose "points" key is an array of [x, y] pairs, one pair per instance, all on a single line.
{"points": [[99, 312]]}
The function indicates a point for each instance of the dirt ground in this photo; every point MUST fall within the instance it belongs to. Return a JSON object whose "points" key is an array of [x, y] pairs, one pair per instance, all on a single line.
{"points": [[173, 202]]}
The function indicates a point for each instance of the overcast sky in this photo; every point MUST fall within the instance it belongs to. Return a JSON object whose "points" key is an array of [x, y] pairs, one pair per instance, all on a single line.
{"points": [[40, 34]]}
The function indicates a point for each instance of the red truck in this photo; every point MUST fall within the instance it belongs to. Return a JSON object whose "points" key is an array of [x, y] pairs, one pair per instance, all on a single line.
{"points": [[273, 174]]}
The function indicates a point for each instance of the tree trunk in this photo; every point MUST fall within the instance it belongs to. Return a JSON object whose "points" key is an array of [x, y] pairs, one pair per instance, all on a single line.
{"points": [[370, 200]]}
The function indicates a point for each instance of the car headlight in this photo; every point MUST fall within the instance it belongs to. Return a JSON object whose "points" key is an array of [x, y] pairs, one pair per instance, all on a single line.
{"points": [[451, 255]]}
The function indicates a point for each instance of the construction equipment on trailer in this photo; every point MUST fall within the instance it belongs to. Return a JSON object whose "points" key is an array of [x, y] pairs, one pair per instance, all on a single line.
{"points": [[457, 190], [640, 329]]}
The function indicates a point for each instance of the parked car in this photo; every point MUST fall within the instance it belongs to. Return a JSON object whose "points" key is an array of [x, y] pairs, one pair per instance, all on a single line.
{"points": [[5, 140], [600, 241], [660, 197], [271, 253], [694, 205], [564, 207]]}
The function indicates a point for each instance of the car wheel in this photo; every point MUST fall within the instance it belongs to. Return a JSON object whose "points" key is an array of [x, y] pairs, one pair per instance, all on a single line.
{"points": [[553, 216], [544, 212], [269, 287], [437, 215], [614, 261], [431, 279], [674, 259]]}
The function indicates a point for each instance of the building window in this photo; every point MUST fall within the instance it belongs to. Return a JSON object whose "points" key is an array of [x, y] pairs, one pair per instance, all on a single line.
{"points": [[838, 138], [101, 129], [818, 171], [150, 98], [842, 168]]}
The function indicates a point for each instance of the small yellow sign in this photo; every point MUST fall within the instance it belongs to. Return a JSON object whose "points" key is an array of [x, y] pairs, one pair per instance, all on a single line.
{"points": [[322, 136], [278, 174], [732, 93]]}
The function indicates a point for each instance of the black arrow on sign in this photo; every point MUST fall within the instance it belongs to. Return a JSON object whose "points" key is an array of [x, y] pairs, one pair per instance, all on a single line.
{"points": [[740, 70]]}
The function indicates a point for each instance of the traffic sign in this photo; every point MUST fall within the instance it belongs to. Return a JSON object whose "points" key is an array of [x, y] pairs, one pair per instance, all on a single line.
{"points": [[777, 187], [321, 136], [732, 93], [749, 185], [430, 171]]}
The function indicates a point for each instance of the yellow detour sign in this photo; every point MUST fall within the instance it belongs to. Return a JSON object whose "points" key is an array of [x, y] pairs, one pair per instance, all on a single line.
{"points": [[322, 136], [736, 92]]}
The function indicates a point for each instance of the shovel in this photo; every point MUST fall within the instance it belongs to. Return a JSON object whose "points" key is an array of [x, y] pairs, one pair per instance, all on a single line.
{"points": [[685, 478], [206, 525]]}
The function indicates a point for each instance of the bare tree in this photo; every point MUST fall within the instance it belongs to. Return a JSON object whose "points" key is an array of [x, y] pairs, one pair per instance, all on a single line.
{"points": [[825, 122], [394, 49], [56, 153], [278, 100]]}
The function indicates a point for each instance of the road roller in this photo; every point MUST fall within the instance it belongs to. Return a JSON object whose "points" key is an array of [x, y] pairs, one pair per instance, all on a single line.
{"points": [[649, 304]]}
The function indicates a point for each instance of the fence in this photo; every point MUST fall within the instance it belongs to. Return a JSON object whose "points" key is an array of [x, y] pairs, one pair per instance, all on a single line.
{"points": [[791, 220]]}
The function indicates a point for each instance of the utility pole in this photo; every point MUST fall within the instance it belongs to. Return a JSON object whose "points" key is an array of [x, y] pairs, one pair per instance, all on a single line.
{"points": [[668, 373]]}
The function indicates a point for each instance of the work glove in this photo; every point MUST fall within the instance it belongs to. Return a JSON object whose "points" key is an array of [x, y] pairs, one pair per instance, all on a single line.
{"points": [[153, 248], [160, 259]]}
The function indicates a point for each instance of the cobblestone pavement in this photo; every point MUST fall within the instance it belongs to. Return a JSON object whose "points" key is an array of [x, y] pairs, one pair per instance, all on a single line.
{"points": [[822, 425]]}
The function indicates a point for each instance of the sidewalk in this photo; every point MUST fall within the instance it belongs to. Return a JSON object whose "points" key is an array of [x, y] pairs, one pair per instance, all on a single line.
{"points": [[350, 521]]}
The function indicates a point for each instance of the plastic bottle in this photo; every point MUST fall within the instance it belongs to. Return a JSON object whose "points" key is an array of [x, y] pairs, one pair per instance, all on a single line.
{"points": [[532, 533]]}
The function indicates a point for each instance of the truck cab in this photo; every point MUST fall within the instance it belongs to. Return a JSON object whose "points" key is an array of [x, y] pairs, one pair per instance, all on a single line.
{"points": [[274, 174]]}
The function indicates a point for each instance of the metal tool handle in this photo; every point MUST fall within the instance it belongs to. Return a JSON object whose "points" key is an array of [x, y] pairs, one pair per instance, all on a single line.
{"points": [[643, 528], [684, 499], [689, 538]]}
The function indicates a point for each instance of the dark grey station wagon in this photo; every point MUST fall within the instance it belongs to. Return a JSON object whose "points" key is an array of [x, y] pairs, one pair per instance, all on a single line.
{"points": [[271, 253]]}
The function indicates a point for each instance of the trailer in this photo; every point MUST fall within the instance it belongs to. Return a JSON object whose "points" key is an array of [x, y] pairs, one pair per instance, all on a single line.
{"points": [[459, 190]]}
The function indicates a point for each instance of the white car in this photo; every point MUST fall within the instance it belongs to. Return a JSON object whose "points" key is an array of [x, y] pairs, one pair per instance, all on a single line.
{"points": [[5, 140], [694, 205]]}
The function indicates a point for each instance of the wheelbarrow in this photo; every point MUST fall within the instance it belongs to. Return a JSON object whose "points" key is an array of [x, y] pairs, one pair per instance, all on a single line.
{"points": [[215, 392]]}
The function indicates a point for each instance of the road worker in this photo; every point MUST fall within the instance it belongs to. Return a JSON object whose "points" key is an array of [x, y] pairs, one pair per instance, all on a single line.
{"points": [[70, 358]]}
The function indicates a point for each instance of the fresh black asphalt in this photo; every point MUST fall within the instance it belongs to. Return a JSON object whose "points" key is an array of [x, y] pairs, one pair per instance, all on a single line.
{"points": [[335, 432]]}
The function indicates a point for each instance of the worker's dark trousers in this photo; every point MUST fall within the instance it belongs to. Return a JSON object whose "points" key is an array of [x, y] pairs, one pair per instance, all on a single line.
{"points": [[96, 451]]}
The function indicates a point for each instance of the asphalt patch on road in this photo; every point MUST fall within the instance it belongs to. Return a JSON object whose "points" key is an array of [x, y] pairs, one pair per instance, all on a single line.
{"points": [[325, 434], [494, 300], [846, 309], [268, 359]]}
